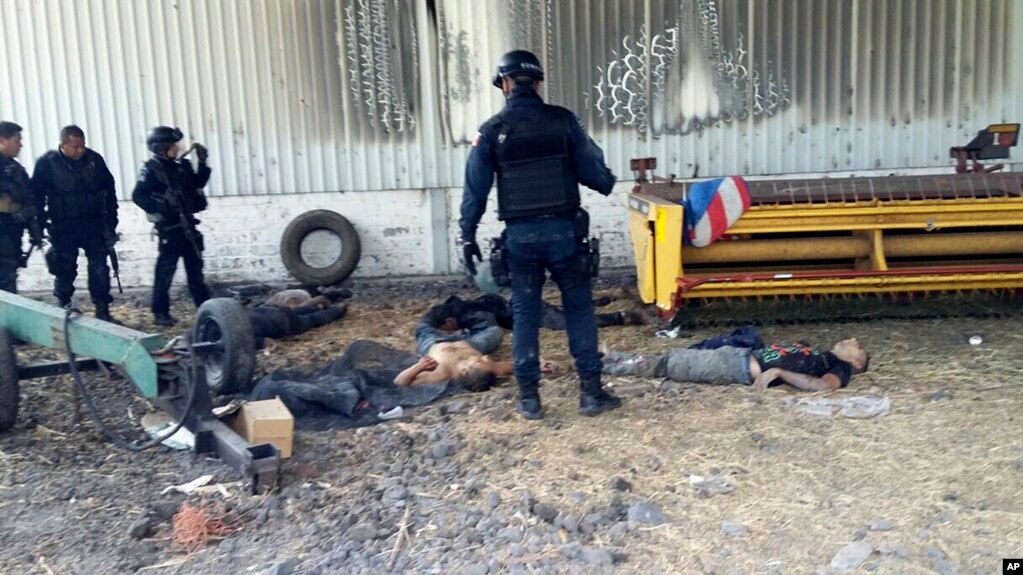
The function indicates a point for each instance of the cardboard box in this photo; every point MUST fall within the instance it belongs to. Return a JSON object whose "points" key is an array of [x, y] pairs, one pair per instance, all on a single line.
{"points": [[267, 421]]}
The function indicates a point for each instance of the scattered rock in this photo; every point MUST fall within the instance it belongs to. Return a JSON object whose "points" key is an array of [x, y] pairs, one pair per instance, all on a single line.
{"points": [[362, 531], [458, 406], [510, 535], [878, 524], [946, 516], [546, 512], [935, 554], [516, 550], [733, 529], [1019, 464], [571, 550], [941, 395], [285, 567], [142, 527], [713, 485], [577, 497], [596, 557], [924, 534], [889, 550], [645, 512], [312, 529], [164, 510], [653, 463], [850, 556], [570, 523], [510, 461], [860, 535], [226, 545], [493, 500], [619, 484], [444, 449], [394, 494]]}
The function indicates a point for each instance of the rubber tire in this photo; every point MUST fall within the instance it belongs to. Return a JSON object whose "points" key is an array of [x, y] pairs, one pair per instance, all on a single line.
{"points": [[9, 395], [226, 320], [305, 224]]}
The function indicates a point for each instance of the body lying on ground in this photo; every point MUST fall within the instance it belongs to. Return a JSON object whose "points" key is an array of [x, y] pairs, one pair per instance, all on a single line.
{"points": [[447, 315], [799, 365], [457, 351], [292, 312]]}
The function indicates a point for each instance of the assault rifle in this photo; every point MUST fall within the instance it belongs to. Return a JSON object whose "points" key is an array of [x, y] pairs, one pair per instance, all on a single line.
{"points": [[175, 197]]}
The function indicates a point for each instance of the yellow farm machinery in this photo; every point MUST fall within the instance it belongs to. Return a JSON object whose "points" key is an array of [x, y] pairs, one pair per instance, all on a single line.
{"points": [[838, 237]]}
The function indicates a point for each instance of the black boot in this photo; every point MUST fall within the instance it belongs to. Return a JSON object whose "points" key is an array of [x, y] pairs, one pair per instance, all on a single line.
{"points": [[164, 320], [64, 303], [529, 400], [103, 313], [594, 399]]}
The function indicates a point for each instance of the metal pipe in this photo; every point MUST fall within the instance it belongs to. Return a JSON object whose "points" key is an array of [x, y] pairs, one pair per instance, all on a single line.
{"points": [[799, 249]]}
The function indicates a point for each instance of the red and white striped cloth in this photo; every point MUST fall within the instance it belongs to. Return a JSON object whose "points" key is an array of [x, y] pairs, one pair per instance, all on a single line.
{"points": [[713, 206]]}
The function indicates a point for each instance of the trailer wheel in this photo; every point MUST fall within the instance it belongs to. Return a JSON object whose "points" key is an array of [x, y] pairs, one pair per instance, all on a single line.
{"points": [[307, 223], [8, 382], [226, 321]]}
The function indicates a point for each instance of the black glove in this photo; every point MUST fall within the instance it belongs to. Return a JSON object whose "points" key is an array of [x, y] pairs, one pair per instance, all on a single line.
{"points": [[202, 153], [471, 249]]}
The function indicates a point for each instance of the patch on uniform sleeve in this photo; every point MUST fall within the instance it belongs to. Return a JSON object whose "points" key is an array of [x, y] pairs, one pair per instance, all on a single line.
{"points": [[476, 140]]}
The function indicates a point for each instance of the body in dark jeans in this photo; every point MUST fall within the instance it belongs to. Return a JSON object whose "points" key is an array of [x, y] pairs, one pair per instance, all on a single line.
{"points": [[276, 322], [552, 316]]}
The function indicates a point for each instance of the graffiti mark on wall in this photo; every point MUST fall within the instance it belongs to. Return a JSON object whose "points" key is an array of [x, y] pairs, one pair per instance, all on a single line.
{"points": [[684, 78], [382, 83]]}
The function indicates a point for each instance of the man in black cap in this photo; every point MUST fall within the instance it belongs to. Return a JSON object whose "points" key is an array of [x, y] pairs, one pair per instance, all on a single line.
{"points": [[540, 154], [17, 208], [169, 190], [76, 189]]}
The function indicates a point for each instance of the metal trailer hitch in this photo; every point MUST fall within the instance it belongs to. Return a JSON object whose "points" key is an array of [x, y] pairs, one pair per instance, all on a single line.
{"points": [[168, 373]]}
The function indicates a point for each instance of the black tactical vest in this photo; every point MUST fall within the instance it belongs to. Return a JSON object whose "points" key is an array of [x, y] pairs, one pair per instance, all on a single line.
{"points": [[77, 188], [14, 186], [535, 170]]}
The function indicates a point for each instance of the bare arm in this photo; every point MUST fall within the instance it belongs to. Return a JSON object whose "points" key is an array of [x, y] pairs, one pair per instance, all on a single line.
{"points": [[826, 382], [426, 370]]}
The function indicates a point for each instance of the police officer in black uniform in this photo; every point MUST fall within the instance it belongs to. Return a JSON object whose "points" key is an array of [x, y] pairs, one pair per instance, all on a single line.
{"points": [[541, 154], [76, 189], [17, 208], [169, 190]]}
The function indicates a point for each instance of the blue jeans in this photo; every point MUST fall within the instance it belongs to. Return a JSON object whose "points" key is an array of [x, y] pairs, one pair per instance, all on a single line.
{"points": [[483, 334], [537, 246]]}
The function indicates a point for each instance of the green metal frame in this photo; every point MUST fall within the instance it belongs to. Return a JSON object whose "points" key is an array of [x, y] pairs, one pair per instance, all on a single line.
{"points": [[42, 324]]}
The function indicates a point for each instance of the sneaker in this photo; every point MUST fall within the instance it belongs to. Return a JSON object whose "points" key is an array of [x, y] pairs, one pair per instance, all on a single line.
{"points": [[164, 320], [591, 404], [530, 408]]}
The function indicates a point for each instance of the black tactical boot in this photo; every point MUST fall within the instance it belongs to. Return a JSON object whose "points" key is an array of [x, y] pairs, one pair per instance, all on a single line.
{"points": [[64, 303], [103, 313], [594, 399], [164, 320], [529, 400]]}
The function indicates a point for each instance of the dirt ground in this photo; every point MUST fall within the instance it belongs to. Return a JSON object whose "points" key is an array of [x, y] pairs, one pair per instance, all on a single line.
{"points": [[466, 486]]}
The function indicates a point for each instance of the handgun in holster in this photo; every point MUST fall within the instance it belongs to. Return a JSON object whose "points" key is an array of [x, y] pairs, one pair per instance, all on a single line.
{"points": [[589, 247], [499, 261]]}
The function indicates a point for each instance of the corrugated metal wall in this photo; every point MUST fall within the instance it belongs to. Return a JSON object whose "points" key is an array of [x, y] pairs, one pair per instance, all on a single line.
{"points": [[319, 95]]}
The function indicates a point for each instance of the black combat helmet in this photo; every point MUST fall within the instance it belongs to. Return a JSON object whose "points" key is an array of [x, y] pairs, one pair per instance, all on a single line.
{"points": [[161, 137], [518, 63]]}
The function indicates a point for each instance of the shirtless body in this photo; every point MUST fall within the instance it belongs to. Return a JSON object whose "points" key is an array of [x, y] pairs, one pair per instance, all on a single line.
{"points": [[451, 360]]}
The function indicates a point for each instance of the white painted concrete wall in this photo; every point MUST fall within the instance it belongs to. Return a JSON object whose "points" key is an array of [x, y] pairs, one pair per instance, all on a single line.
{"points": [[404, 232]]}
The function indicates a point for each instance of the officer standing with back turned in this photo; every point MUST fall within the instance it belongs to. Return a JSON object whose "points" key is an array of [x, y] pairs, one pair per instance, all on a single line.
{"points": [[541, 154], [17, 208], [169, 190], [75, 187]]}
